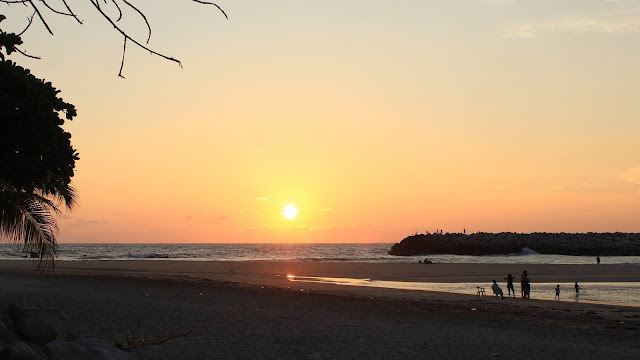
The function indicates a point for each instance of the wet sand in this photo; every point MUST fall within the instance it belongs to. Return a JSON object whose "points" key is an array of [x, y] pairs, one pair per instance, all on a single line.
{"points": [[249, 310], [268, 272]]}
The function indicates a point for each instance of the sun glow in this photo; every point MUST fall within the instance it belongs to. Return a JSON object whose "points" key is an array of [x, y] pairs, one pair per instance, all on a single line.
{"points": [[290, 212]]}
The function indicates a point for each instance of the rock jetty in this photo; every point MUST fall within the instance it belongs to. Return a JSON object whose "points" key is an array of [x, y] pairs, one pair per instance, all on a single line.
{"points": [[592, 244]]}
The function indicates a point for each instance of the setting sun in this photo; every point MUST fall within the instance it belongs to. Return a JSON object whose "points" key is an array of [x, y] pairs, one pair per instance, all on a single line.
{"points": [[290, 212]]}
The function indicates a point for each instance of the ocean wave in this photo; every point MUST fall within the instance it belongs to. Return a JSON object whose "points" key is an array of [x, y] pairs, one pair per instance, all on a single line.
{"points": [[309, 253], [148, 256], [294, 260], [330, 259], [106, 257], [13, 255]]}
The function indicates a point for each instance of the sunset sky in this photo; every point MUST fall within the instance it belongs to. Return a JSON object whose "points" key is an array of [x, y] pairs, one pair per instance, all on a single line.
{"points": [[376, 119]]}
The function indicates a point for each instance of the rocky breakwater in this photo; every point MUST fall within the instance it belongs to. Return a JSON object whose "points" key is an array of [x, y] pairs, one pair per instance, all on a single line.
{"points": [[593, 244], [38, 333]]}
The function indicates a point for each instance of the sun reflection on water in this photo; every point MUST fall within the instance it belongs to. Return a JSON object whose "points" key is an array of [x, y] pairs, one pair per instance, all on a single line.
{"points": [[618, 293]]}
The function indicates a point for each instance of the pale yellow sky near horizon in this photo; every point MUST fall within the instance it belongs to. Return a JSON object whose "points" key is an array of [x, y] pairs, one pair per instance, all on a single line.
{"points": [[376, 119]]}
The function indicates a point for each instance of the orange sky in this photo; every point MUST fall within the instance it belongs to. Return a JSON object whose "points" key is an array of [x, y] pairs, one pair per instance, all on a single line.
{"points": [[375, 119]]}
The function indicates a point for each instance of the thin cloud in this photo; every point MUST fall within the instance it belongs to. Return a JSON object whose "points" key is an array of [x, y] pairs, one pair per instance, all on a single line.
{"points": [[595, 186], [80, 222], [262, 199], [578, 188], [632, 175], [614, 23], [326, 211]]}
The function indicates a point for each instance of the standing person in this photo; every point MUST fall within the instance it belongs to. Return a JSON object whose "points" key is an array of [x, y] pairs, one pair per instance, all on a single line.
{"points": [[598, 259], [577, 288], [557, 292], [524, 284], [510, 285]]}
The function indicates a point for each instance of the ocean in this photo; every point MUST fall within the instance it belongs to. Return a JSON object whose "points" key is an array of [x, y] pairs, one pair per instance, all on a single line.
{"points": [[370, 253]]}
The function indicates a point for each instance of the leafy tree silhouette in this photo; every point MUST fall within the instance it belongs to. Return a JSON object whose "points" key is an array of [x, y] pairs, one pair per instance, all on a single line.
{"points": [[37, 160]]}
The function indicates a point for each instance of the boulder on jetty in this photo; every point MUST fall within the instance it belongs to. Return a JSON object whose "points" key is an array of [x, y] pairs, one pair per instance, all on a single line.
{"points": [[592, 244]]}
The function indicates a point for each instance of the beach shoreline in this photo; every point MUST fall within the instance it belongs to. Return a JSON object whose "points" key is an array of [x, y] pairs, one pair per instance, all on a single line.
{"points": [[259, 272], [333, 277]]}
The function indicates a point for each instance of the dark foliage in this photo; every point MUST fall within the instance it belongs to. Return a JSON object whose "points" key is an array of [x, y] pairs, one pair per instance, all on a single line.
{"points": [[37, 160], [35, 152], [8, 41]]}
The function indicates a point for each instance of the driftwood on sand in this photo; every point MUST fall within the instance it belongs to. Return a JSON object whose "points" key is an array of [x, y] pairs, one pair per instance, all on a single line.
{"points": [[179, 331]]}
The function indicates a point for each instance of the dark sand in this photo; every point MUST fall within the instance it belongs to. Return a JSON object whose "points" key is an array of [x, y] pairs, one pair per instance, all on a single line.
{"points": [[240, 310]]}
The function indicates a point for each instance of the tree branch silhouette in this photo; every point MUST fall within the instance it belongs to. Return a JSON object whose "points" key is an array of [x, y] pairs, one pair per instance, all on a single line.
{"points": [[28, 25], [27, 55], [40, 16], [118, 4]]}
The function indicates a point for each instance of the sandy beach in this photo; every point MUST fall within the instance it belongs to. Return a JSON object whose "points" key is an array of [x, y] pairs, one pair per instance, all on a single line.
{"points": [[268, 272], [242, 310]]}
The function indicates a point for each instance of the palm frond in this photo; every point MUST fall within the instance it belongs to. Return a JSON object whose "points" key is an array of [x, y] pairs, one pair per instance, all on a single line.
{"points": [[59, 190], [27, 218]]}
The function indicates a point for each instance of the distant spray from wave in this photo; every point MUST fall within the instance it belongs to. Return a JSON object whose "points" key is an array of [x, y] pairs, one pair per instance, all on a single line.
{"points": [[527, 251]]}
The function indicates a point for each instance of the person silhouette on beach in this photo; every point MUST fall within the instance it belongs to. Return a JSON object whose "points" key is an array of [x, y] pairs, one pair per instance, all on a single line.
{"points": [[557, 292], [510, 285], [577, 288], [525, 285], [598, 259], [496, 290]]}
